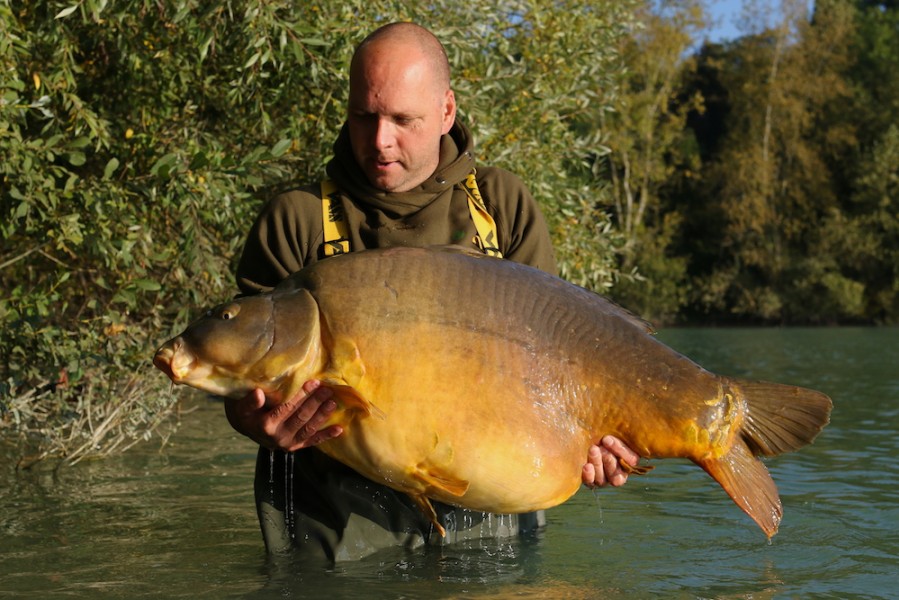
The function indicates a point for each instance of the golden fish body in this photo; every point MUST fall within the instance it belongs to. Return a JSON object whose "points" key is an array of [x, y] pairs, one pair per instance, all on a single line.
{"points": [[482, 383]]}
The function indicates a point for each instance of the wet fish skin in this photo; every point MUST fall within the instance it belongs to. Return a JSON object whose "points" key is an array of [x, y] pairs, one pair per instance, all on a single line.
{"points": [[482, 383]]}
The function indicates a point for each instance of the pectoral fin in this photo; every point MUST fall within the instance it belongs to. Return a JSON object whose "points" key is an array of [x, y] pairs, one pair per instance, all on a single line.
{"points": [[343, 376], [424, 504], [350, 404], [347, 361], [434, 479]]}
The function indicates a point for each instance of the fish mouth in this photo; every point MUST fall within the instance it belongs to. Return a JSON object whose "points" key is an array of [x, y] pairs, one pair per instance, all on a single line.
{"points": [[163, 361], [173, 360]]}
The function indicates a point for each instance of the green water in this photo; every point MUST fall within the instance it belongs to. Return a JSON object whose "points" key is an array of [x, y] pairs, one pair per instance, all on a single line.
{"points": [[180, 523]]}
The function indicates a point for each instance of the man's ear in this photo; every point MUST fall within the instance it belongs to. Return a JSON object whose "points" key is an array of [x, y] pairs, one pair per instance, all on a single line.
{"points": [[449, 111]]}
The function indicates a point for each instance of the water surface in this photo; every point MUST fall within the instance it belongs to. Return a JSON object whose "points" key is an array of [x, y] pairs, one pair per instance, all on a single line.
{"points": [[179, 522]]}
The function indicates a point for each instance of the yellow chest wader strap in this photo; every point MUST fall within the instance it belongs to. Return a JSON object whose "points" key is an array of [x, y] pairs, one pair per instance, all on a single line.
{"points": [[337, 240], [487, 239]]}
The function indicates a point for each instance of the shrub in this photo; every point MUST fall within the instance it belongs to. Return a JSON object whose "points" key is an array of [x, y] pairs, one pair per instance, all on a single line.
{"points": [[139, 138]]}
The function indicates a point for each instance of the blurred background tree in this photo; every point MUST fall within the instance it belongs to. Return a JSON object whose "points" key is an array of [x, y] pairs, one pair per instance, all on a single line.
{"points": [[772, 175], [649, 145], [775, 230]]}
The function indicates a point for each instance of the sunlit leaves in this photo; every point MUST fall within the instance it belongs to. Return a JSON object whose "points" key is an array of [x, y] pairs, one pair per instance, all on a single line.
{"points": [[66, 12]]}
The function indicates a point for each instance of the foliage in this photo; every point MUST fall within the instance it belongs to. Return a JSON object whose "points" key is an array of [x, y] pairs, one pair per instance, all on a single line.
{"points": [[754, 180], [535, 101], [139, 138], [774, 176], [776, 182], [645, 134], [658, 288], [865, 241], [873, 75]]}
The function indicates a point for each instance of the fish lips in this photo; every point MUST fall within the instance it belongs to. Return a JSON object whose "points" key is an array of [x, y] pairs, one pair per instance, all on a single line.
{"points": [[174, 360]]}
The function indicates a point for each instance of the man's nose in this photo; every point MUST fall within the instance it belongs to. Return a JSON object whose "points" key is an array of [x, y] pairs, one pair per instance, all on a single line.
{"points": [[384, 134]]}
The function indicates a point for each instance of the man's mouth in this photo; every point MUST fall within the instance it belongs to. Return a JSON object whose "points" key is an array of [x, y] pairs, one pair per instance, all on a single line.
{"points": [[383, 163]]}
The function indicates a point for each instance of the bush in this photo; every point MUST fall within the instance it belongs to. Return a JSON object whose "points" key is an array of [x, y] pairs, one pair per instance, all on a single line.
{"points": [[139, 138]]}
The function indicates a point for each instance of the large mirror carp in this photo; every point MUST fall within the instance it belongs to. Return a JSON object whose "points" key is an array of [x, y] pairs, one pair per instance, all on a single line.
{"points": [[481, 382]]}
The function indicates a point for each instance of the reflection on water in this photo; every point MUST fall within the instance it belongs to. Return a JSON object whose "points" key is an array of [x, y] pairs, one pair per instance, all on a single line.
{"points": [[180, 522]]}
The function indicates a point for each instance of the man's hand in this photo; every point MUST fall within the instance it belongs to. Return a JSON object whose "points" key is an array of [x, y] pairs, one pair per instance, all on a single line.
{"points": [[288, 426], [603, 466]]}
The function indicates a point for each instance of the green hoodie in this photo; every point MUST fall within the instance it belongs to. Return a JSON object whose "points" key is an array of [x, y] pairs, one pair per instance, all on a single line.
{"points": [[287, 235], [308, 503]]}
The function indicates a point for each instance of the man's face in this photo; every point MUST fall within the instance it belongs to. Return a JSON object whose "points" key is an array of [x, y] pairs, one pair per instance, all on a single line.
{"points": [[397, 113]]}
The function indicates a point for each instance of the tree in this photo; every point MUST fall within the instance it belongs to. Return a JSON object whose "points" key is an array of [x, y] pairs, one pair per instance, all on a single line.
{"points": [[772, 174], [862, 249], [535, 100], [646, 137]]}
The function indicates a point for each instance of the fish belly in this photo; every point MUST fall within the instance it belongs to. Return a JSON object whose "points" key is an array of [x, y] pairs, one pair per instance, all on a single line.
{"points": [[465, 419]]}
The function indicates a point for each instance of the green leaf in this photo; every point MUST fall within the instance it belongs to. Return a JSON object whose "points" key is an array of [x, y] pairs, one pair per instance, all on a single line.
{"points": [[253, 60], [66, 12], [198, 161], [111, 167], [148, 285], [164, 165], [204, 48], [281, 147]]}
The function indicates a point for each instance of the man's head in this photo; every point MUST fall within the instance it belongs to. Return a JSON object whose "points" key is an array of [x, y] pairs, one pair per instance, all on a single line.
{"points": [[400, 105]]}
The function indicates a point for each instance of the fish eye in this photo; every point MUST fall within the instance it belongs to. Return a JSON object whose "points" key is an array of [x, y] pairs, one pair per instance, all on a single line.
{"points": [[230, 311]]}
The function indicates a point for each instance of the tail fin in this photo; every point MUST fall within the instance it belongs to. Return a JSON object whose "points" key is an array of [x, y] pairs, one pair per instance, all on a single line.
{"points": [[747, 481], [781, 418]]}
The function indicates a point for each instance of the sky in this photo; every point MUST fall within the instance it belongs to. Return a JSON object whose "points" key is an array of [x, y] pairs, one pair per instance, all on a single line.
{"points": [[725, 15]]}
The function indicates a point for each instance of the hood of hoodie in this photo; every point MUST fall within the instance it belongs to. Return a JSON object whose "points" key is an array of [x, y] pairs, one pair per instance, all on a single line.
{"points": [[456, 162]]}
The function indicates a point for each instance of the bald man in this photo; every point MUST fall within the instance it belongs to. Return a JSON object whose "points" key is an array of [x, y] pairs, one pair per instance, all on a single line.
{"points": [[399, 170]]}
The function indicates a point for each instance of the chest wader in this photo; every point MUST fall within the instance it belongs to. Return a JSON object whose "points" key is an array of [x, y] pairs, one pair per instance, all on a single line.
{"points": [[318, 509]]}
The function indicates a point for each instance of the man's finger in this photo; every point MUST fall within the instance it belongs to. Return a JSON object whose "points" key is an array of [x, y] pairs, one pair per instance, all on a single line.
{"points": [[250, 403], [610, 468], [588, 476], [319, 437], [593, 474], [312, 404], [304, 426], [620, 450]]}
